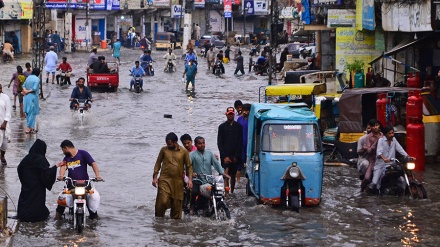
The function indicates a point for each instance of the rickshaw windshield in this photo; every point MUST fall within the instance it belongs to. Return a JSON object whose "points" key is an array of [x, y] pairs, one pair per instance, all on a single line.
{"points": [[290, 138]]}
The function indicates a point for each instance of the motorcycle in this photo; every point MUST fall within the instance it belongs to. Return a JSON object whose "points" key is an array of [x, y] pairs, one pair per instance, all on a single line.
{"points": [[137, 83], [81, 107], [149, 70], [170, 67], [63, 76], [398, 180], [76, 195], [211, 200], [217, 68]]}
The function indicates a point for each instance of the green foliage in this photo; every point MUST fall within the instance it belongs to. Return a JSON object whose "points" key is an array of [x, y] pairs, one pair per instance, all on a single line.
{"points": [[356, 65]]}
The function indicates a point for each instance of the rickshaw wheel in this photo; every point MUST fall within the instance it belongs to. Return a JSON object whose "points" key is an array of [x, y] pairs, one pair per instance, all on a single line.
{"points": [[248, 188]]}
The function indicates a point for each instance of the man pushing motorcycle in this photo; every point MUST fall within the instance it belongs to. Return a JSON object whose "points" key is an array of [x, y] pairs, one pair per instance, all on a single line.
{"points": [[76, 161], [202, 160]]}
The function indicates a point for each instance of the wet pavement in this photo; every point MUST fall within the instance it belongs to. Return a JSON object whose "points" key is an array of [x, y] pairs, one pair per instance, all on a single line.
{"points": [[124, 132]]}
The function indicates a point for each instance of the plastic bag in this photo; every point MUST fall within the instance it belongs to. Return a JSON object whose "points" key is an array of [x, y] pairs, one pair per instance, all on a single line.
{"points": [[93, 201]]}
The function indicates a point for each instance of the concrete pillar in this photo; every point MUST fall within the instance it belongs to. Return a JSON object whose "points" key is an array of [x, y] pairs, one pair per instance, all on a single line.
{"points": [[68, 32]]}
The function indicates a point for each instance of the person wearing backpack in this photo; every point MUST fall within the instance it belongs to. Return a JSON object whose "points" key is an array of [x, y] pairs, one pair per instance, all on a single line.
{"points": [[18, 78]]}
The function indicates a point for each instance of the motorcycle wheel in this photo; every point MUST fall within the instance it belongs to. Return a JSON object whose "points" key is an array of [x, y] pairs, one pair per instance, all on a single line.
{"points": [[417, 190], [138, 89], [79, 223], [223, 212], [294, 202]]}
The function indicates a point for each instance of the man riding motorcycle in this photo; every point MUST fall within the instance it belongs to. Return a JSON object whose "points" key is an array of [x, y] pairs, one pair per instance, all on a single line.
{"points": [[168, 56], [146, 59], [190, 56], [81, 92], [137, 71], [219, 57], [387, 147], [202, 161], [76, 162], [66, 68]]}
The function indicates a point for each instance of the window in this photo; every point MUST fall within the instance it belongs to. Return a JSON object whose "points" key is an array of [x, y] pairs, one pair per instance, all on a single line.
{"points": [[291, 138]]}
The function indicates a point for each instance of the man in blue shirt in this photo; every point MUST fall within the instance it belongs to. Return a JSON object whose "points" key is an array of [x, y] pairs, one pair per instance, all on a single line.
{"points": [[146, 58], [81, 92], [261, 63], [202, 160], [137, 71], [190, 55], [190, 71]]}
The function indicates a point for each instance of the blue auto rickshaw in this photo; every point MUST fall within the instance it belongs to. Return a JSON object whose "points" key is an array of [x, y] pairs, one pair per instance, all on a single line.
{"points": [[284, 162]]}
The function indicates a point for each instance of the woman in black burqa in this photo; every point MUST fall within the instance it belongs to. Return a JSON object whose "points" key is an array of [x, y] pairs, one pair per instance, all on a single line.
{"points": [[35, 176]]}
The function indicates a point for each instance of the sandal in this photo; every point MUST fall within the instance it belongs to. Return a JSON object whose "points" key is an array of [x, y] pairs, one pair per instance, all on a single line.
{"points": [[4, 162], [33, 131], [14, 107]]}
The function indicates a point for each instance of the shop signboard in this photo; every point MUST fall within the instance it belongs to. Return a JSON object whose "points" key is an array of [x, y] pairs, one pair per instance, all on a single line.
{"points": [[341, 18], [11, 11], [176, 11], [199, 4], [227, 8], [260, 7]]}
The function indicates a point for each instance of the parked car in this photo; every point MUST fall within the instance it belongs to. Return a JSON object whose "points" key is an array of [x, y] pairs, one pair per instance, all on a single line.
{"points": [[212, 39], [294, 49]]}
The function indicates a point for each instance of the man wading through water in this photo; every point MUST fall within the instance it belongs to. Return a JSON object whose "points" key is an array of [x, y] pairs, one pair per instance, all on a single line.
{"points": [[171, 161]]}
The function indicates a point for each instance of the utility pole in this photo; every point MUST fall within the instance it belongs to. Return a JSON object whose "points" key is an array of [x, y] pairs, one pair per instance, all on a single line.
{"points": [[38, 37], [67, 29], [274, 17], [187, 18]]}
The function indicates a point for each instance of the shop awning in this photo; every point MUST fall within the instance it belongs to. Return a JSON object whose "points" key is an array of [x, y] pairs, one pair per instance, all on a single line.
{"points": [[400, 47], [296, 89]]}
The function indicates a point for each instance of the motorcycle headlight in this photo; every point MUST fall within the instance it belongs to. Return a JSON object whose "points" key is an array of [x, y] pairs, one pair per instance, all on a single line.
{"points": [[410, 165], [80, 191], [219, 186], [294, 172]]}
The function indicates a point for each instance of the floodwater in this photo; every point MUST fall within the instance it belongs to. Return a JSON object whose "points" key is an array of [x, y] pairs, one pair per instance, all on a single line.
{"points": [[124, 133]]}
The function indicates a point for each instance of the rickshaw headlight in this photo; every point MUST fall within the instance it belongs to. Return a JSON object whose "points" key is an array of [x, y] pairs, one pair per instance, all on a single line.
{"points": [[294, 164], [294, 172], [410, 166], [80, 190]]}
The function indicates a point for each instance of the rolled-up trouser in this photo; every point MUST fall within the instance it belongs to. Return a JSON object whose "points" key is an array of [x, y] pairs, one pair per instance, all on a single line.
{"points": [[368, 176], [164, 201], [362, 165]]}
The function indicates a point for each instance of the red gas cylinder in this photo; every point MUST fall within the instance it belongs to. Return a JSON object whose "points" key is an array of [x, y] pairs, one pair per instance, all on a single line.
{"points": [[381, 109], [413, 81], [415, 143], [414, 106], [369, 78]]}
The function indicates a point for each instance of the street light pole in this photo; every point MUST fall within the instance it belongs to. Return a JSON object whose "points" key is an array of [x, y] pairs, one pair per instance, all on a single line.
{"points": [[244, 27]]}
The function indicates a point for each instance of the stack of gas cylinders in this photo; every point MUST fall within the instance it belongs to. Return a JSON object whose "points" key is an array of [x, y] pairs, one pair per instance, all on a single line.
{"points": [[415, 130]]}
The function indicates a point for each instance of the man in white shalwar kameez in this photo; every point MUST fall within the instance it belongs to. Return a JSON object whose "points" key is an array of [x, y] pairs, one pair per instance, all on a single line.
{"points": [[5, 117]]}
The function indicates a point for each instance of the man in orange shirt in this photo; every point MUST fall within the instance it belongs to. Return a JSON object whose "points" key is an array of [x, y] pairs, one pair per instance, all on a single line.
{"points": [[7, 49]]}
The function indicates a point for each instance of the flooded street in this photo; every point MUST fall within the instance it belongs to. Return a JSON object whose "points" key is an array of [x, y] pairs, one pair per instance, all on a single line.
{"points": [[124, 132]]}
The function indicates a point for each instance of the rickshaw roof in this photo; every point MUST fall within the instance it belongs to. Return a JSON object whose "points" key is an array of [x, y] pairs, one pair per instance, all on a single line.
{"points": [[296, 89], [164, 34], [350, 106], [297, 112]]}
